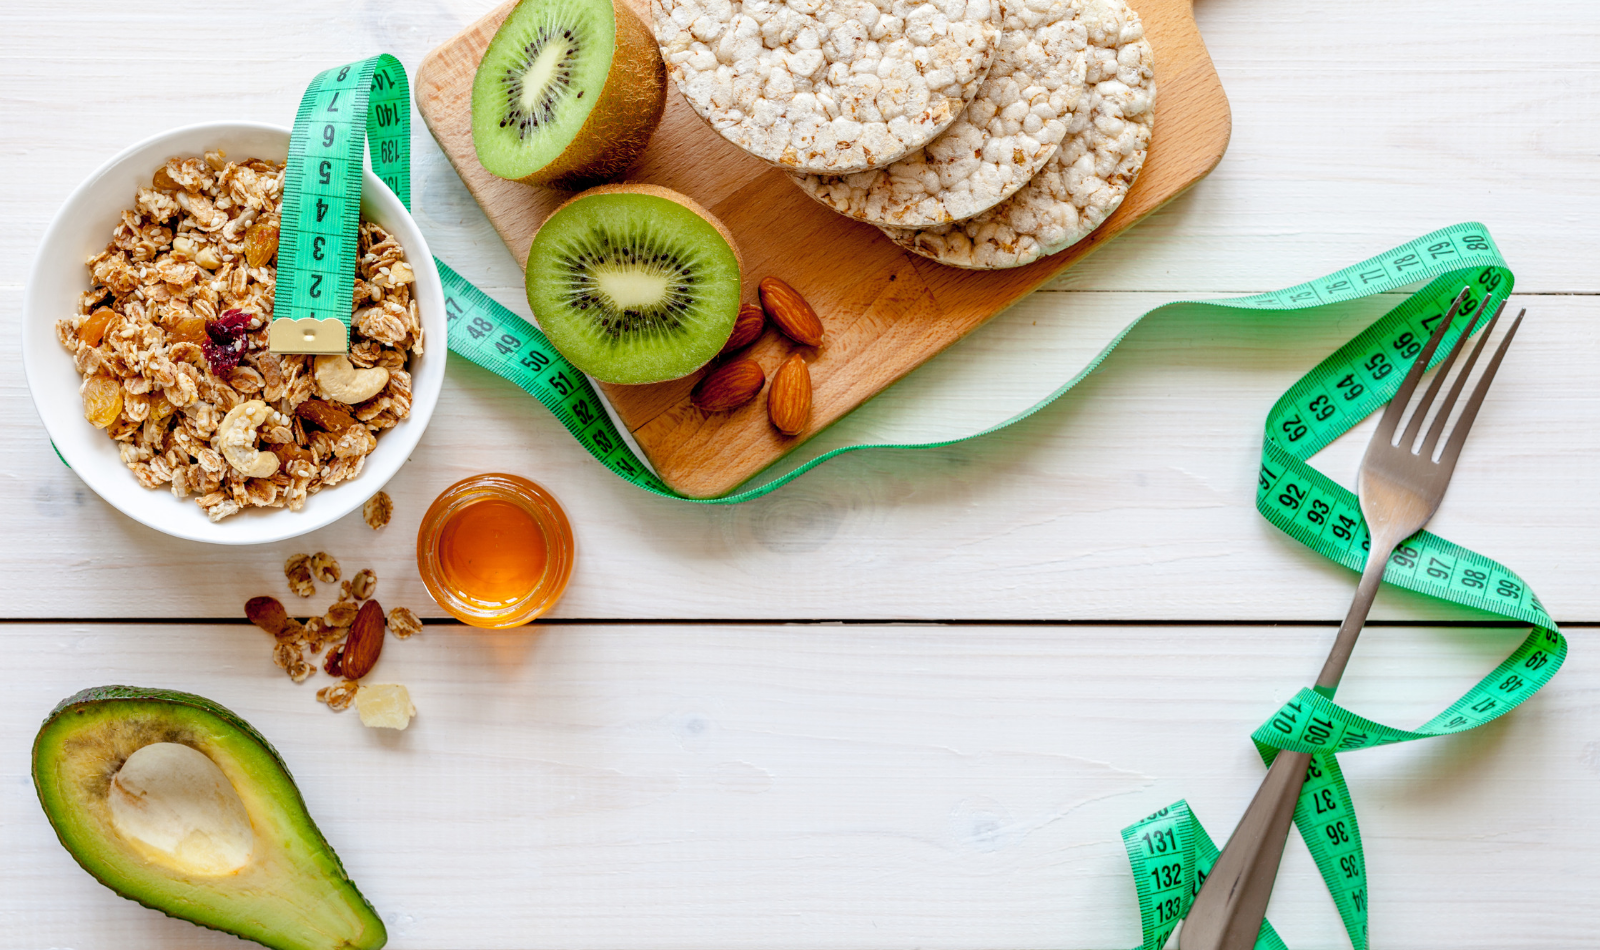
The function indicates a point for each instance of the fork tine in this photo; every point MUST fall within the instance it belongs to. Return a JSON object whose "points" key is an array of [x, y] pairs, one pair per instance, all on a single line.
{"points": [[1458, 436], [1439, 420], [1397, 405], [1420, 414]]}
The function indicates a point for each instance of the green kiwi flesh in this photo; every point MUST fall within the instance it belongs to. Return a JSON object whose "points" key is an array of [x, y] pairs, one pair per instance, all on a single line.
{"points": [[634, 284], [567, 93]]}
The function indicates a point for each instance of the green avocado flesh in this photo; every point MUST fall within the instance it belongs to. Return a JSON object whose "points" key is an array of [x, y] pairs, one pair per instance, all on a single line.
{"points": [[538, 81], [633, 288], [173, 801]]}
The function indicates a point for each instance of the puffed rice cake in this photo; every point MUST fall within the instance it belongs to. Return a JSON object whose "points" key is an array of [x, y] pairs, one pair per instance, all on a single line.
{"points": [[1007, 134], [1089, 175], [828, 86]]}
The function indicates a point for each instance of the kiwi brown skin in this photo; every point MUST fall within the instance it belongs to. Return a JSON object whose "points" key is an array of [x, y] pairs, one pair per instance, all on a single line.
{"points": [[624, 118]]}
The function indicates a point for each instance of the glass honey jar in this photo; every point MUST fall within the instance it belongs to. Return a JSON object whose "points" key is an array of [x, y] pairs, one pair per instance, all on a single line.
{"points": [[495, 550]]}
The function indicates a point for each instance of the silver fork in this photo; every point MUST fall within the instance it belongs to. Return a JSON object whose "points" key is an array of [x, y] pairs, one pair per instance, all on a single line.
{"points": [[1400, 488]]}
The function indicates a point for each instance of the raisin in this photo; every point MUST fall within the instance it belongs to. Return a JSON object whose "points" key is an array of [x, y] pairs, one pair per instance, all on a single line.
{"points": [[94, 326], [102, 400], [261, 242], [187, 330]]}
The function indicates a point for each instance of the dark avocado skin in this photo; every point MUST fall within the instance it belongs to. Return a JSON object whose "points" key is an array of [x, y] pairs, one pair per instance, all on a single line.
{"points": [[153, 700]]}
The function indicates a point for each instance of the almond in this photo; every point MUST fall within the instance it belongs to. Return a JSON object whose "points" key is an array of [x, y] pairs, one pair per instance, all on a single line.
{"points": [[729, 386], [289, 452], [789, 399], [267, 613], [752, 320], [324, 415], [790, 312], [361, 648]]}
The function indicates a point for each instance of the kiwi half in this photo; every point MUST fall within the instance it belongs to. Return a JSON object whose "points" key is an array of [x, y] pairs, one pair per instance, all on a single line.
{"points": [[568, 92], [634, 283]]}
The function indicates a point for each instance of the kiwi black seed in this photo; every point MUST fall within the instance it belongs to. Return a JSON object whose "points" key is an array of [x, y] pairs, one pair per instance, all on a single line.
{"points": [[634, 283], [568, 92], [549, 93]]}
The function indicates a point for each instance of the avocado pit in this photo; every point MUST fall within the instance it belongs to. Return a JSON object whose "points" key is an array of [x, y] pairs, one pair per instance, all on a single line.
{"points": [[177, 808]]}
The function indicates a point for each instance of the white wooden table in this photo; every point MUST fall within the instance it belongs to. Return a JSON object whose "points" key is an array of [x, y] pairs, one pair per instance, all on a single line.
{"points": [[909, 700]]}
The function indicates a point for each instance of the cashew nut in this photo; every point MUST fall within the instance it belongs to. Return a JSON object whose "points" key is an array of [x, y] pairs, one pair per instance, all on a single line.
{"points": [[236, 440], [341, 382]]}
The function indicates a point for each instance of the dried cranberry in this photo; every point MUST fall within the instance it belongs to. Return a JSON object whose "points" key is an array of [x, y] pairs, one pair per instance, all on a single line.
{"points": [[228, 340]]}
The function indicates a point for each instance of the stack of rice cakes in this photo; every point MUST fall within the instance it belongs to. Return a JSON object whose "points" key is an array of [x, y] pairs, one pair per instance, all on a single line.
{"points": [[979, 133]]}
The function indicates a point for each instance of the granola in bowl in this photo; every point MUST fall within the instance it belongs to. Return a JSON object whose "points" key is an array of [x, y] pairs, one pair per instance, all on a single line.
{"points": [[171, 345]]}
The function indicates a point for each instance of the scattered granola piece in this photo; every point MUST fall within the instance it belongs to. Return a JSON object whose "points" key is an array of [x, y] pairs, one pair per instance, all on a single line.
{"points": [[338, 696], [297, 640], [293, 631], [403, 623], [314, 628], [377, 511], [298, 570], [385, 706], [341, 614], [324, 567], [333, 663], [288, 658]]}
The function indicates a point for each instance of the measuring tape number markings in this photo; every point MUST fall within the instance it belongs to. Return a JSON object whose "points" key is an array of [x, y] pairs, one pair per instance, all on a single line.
{"points": [[1169, 851], [342, 112]]}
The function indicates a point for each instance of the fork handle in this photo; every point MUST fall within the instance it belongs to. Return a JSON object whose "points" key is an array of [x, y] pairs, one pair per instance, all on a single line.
{"points": [[1227, 913]]}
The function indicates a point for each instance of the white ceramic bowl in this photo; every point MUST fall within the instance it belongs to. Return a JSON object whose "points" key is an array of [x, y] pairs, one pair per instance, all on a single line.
{"points": [[83, 227]]}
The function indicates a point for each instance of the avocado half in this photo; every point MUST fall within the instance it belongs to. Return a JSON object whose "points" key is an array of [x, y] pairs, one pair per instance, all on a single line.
{"points": [[221, 838]]}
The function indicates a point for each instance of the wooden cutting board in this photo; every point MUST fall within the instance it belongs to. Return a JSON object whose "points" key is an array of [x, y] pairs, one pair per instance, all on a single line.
{"points": [[886, 311]]}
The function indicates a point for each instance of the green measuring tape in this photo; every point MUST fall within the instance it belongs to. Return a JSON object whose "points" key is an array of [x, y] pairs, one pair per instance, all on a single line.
{"points": [[341, 112], [1169, 851]]}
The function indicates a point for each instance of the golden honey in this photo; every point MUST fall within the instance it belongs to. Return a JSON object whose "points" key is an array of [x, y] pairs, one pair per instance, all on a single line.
{"points": [[495, 550]]}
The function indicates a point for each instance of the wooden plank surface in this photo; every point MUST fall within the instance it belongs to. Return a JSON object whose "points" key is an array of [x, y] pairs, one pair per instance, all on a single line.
{"points": [[839, 787], [1356, 126], [885, 311], [1133, 498]]}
